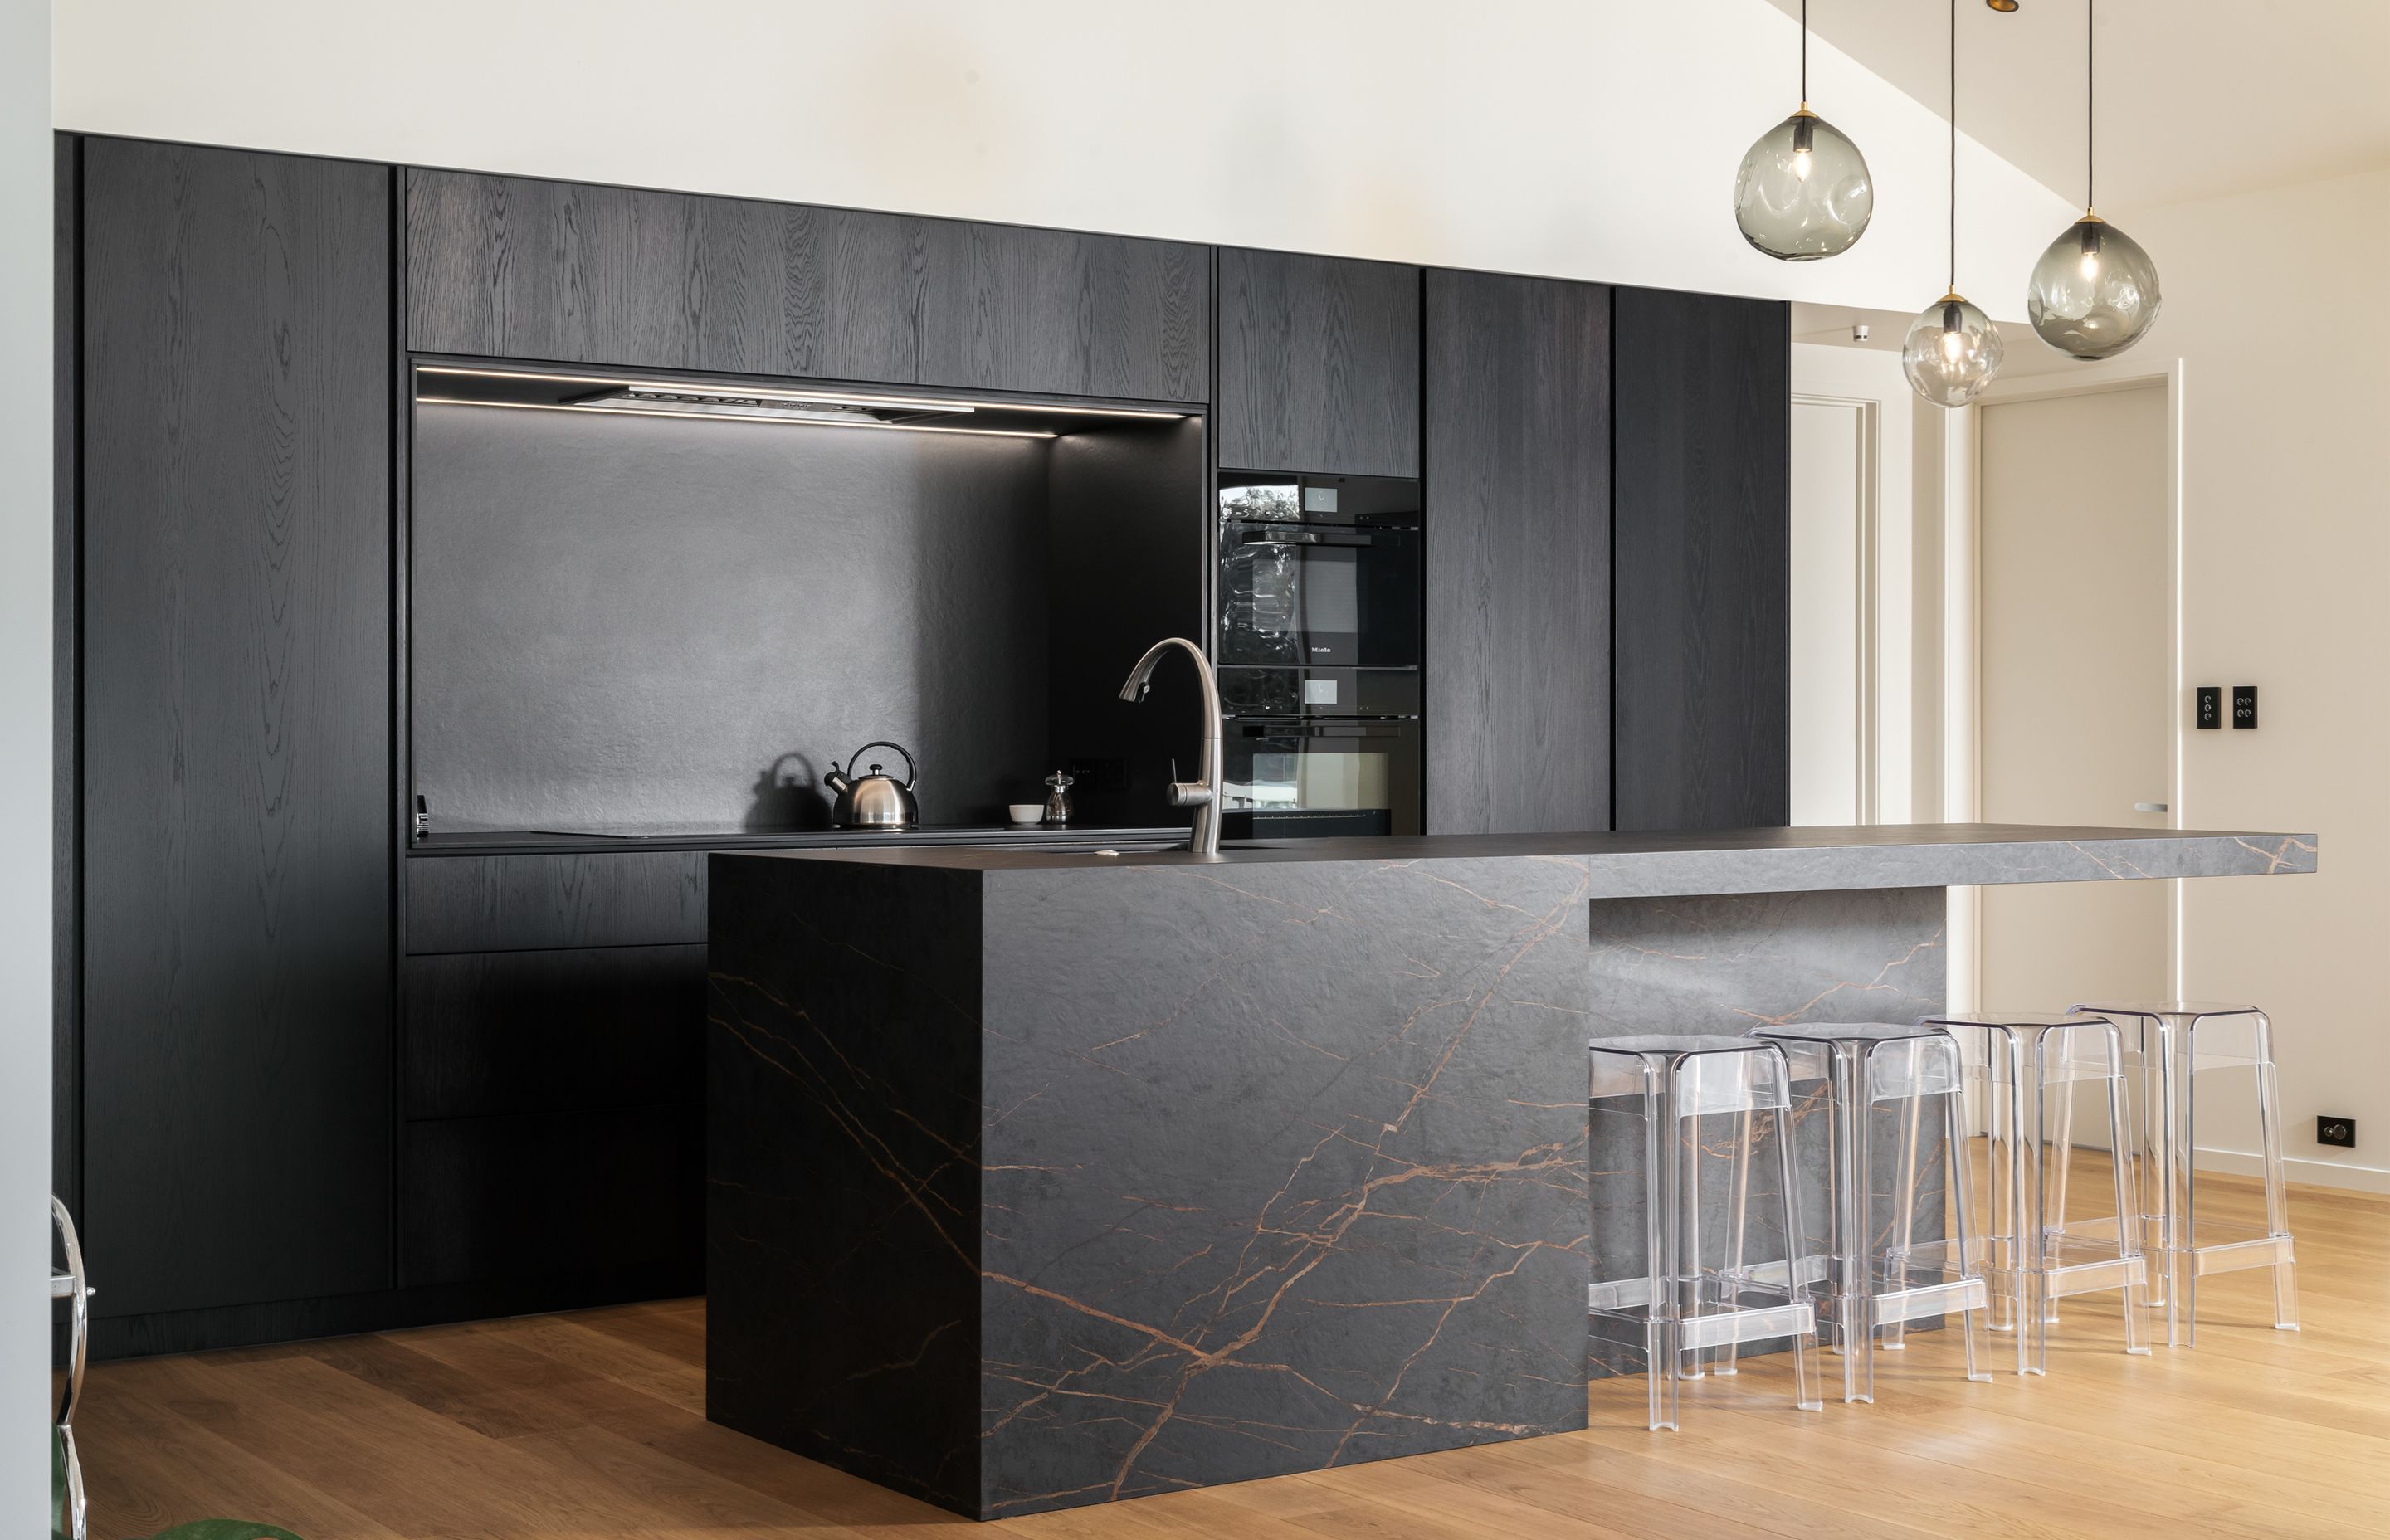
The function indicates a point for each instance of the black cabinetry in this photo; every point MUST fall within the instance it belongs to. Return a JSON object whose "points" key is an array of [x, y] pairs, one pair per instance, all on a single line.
{"points": [[1517, 520], [514, 267], [1703, 490], [1319, 365], [235, 405]]}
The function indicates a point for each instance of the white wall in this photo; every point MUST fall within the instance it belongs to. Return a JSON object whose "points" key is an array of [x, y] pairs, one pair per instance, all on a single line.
{"points": [[2286, 585], [25, 577], [1593, 140]]}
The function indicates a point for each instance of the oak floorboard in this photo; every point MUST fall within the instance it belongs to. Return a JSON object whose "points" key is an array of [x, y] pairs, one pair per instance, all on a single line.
{"points": [[591, 1427]]}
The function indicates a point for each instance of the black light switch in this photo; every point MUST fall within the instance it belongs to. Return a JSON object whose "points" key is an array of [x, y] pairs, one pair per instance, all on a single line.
{"points": [[2210, 712], [2245, 705]]}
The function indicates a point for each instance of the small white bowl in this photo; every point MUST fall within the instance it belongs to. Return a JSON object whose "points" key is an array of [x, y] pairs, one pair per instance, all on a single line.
{"points": [[1026, 813]]}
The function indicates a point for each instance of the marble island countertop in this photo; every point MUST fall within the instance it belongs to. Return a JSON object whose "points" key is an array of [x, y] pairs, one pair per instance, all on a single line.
{"points": [[1731, 861]]}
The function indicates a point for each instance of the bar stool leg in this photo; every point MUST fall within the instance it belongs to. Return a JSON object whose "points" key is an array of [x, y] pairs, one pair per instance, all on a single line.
{"points": [[1807, 1384], [1659, 1239], [2278, 1205], [2060, 1113], [2128, 1242], [1688, 1136], [1961, 1205], [1738, 1207], [2182, 1197], [1895, 1333], [2024, 1203], [1858, 1360]]}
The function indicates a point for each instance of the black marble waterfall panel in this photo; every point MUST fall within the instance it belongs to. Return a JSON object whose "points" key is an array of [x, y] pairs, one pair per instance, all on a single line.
{"points": [[1284, 1169], [1728, 965], [843, 1124]]}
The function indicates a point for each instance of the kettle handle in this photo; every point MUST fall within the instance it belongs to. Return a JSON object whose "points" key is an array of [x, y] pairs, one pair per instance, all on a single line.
{"points": [[856, 758]]}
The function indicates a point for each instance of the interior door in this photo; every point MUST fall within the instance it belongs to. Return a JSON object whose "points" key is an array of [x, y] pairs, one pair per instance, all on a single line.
{"points": [[2077, 683]]}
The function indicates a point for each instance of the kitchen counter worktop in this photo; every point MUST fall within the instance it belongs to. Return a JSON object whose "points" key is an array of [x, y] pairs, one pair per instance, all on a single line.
{"points": [[1735, 861]]}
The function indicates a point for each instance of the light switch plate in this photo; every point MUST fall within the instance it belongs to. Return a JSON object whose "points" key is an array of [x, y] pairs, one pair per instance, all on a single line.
{"points": [[2210, 711]]}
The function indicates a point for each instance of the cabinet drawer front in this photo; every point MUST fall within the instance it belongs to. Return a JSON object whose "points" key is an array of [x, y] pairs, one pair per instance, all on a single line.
{"points": [[563, 1195], [532, 903], [527, 1031], [512, 267]]}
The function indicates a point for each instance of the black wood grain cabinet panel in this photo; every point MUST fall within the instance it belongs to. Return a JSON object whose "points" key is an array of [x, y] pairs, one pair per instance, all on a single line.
{"points": [[236, 783], [1319, 365], [526, 1032], [529, 903], [568, 1195], [1010, 308], [514, 267], [1517, 518], [1703, 714]]}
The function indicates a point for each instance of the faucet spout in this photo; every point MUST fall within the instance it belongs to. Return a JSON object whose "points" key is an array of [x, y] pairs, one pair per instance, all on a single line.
{"points": [[1204, 793]]}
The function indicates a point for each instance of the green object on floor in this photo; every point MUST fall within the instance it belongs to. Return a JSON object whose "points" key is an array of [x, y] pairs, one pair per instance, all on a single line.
{"points": [[224, 1529]]}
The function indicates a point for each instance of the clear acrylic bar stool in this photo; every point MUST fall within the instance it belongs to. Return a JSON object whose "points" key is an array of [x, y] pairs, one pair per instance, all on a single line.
{"points": [[2025, 1069], [2175, 1041], [1878, 1281], [1653, 1094]]}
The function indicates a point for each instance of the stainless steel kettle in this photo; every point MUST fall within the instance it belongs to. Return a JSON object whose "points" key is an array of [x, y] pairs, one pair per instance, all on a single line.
{"points": [[872, 800]]}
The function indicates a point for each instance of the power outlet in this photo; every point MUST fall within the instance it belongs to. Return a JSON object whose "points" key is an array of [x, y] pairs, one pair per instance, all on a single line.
{"points": [[2339, 1132]]}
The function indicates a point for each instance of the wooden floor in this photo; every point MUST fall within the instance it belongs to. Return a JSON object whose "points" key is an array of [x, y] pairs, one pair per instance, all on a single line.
{"points": [[593, 1425]]}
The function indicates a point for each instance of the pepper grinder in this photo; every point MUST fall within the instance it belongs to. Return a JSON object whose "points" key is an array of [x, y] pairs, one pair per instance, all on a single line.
{"points": [[1058, 800]]}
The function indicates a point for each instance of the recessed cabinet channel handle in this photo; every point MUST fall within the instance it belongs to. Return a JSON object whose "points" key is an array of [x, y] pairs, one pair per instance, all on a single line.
{"points": [[2149, 807], [1305, 537]]}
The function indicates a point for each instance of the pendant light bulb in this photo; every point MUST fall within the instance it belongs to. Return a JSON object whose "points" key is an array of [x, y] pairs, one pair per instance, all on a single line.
{"points": [[1803, 191], [2094, 292], [1953, 348]]}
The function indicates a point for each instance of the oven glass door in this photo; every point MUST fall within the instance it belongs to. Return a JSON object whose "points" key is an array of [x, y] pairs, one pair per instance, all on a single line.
{"points": [[1300, 780], [1318, 598]]}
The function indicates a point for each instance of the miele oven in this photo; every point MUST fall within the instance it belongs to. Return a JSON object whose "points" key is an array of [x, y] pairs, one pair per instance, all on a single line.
{"points": [[1302, 762]]}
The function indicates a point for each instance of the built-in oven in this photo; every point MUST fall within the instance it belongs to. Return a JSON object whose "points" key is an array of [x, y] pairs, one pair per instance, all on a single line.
{"points": [[1319, 754], [1320, 779], [1319, 570]]}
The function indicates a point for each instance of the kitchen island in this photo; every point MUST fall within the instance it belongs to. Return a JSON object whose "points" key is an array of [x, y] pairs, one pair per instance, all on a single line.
{"points": [[1038, 1179]]}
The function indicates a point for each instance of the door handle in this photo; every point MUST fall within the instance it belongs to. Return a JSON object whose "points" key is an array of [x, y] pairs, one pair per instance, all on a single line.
{"points": [[2149, 807]]}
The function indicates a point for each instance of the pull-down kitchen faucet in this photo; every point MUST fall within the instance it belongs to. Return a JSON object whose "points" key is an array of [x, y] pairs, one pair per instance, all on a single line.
{"points": [[1202, 794]]}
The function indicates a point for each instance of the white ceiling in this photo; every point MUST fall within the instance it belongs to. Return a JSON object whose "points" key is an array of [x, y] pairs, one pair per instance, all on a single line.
{"points": [[2197, 98]]}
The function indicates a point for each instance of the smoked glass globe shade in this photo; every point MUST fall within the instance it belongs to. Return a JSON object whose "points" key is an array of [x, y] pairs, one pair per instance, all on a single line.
{"points": [[2094, 292], [1802, 192], [1952, 352]]}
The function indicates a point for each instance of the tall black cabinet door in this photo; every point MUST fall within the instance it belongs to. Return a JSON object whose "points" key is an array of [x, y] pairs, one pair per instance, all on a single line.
{"points": [[1703, 549], [1319, 365], [235, 793], [1517, 518]]}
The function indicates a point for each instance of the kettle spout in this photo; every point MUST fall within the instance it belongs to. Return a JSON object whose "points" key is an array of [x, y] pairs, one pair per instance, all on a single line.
{"points": [[835, 781]]}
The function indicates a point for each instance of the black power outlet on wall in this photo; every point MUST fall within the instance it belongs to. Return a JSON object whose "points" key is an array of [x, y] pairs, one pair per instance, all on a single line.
{"points": [[2339, 1132]]}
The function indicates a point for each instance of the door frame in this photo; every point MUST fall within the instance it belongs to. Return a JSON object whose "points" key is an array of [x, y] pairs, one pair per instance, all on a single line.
{"points": [[1963, 629], [1867, 594]]}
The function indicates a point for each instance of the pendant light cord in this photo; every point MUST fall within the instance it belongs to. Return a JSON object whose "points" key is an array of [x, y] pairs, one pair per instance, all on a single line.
{"points": [[1954, 145], [1805, 53], [2090, 122]]}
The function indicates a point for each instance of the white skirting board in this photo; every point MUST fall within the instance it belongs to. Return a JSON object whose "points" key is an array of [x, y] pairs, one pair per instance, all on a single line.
{"points": [[2320, 1173]]}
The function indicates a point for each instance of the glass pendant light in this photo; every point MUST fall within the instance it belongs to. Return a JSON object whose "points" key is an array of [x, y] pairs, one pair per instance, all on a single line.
{"points": [[1952, 349], [1803, 191], [2095, 291]]}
